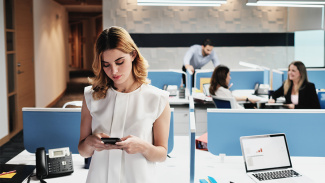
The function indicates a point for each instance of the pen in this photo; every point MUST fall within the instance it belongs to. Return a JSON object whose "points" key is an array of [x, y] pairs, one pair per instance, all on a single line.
{"points": [[4, 173]]}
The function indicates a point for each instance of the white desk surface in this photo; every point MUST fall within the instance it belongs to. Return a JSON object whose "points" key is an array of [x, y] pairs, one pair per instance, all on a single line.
{"points": [[175, 100], [79, 175], [176, 168]]}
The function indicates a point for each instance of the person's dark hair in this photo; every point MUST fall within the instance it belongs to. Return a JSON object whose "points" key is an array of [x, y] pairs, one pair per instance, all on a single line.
{"points": [[207, 42], [218, 78]]}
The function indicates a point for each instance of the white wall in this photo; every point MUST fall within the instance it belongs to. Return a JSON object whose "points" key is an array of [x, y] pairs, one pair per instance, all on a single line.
{"points": [[3, 79], [51, 50], [233, 17]]}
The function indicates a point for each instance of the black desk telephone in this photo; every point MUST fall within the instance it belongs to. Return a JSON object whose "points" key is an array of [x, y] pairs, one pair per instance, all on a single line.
{"points": [[57, 163]]}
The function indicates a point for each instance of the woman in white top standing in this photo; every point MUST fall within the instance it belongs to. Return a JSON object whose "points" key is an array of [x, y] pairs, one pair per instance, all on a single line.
{"points": [[120, 103], [219, 83]]}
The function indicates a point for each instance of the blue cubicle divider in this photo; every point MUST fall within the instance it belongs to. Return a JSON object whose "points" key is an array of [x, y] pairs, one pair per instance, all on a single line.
{"points": [[51, 128], [321, 97], [189, 81], [60, 127], [201, 74], [266, 76], [247, 79], [192, 132], [241, 79], [304, 129], [171, 132], [159, 78], [315, 76], [277, 79]]}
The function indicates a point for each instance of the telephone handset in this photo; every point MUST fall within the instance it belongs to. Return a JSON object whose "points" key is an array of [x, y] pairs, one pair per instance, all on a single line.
{"points": [[57, 163]]}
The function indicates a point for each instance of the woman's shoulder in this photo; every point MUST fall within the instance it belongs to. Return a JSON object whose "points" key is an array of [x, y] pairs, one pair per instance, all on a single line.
{"points": [[222, 91], [309, 85], [88, 89]]}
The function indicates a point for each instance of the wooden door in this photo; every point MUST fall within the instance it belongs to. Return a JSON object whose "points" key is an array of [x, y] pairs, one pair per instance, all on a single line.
{"points": [[76, 42], [24, 57]]}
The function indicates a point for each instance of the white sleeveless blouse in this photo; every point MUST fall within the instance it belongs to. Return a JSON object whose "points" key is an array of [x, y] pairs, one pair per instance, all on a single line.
{"points": [[119, 115]]}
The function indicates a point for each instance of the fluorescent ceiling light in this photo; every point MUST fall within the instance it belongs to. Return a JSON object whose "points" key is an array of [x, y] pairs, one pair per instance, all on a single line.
{"points": [[177, 4], [286, 5], [181, 2], [294, 3], [291, 2], [249, 65]]}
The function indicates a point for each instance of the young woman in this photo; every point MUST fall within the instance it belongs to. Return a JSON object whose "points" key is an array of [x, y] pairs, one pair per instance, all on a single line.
{"points": [[298, 92], [219, 85], [120, 103]]}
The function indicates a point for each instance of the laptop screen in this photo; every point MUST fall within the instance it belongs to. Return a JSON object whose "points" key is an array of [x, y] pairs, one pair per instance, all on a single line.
{"points": [[206, 87], [265, 152]]}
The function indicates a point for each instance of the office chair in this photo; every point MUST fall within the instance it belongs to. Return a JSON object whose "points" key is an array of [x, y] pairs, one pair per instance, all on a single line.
{"points": [[223, 103], [321, 98]]}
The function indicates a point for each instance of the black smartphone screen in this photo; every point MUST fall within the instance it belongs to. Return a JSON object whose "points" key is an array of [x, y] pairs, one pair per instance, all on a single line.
{"points": [[110, 140]]}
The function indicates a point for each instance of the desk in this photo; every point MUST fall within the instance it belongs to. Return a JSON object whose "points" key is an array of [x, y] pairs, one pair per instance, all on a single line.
{"points": [[79, 174], [232, 168], [175, 100], [176, 168], [263, 98]]}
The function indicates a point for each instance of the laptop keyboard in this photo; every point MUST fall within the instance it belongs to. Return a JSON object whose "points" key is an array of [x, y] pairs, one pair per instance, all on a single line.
{"points": [[276, 175]]}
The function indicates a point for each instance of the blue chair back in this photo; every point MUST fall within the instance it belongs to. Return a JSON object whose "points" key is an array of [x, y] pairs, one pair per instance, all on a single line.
{"points": [[221, 104], [321, 97]]}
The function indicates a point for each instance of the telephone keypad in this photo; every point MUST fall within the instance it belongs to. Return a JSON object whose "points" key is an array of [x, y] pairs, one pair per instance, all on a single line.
{"points": [[60, 165]]}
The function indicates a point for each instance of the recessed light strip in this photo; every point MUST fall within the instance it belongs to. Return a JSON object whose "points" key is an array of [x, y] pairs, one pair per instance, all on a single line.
{"points": [[184, 2], [177, 4], [291, 2], [286, 5]]}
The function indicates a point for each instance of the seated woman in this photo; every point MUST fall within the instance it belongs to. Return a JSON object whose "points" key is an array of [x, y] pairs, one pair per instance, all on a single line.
{"points": [[298, 92], [219, 86]]}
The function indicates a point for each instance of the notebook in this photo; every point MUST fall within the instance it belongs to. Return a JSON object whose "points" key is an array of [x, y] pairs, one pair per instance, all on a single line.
{"points": [[267, 159], [21, 172]]}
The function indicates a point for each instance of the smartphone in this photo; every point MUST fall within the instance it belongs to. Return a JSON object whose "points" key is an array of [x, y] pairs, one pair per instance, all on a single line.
{"points": [[111, 140]]}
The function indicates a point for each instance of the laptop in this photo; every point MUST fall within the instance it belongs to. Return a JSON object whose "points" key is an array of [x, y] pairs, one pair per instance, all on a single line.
{"points": [[206, 87], [267, 159]]}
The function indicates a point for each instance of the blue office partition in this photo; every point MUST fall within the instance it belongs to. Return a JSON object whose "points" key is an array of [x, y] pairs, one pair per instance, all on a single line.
{"points": [[189, 81], [277, 79], [159, 78], [51, 128], [315, 76], [192, 146], [171, 132], [201, 74], [266, 76], [246, 80], [304, 129]]}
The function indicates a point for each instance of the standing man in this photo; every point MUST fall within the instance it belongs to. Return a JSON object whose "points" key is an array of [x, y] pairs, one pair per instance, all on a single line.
{"points": [[199, 55]]}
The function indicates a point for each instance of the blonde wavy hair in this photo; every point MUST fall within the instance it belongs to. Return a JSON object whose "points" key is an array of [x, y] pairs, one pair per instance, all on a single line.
{"points": [[115, 38], [303, 73]]}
